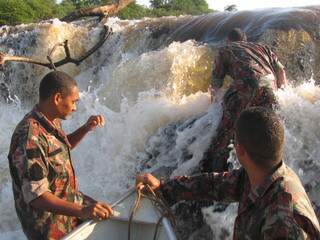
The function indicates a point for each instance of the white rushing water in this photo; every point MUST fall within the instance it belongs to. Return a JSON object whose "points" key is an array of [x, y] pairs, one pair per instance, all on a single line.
{"points": [[140, 91]]}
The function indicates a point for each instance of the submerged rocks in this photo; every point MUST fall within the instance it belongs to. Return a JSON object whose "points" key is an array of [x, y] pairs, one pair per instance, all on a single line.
{"points": [[298, 51]]}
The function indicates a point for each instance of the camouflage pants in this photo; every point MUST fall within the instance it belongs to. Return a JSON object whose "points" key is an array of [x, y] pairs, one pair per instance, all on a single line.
{"points": [[235, 100]]}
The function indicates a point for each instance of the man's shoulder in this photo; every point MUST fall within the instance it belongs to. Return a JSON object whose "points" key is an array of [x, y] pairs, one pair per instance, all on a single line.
{"points": [[245, 48], [28, 128], [292, 185], [288, 199], [250, 45], [288, 188], [28, 125], [290, 215], [279, 214]]}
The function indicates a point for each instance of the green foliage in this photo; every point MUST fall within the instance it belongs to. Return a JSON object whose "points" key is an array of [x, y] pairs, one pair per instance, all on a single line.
{"points": [[26, 11], [15, 11], [158, 3], [134, 11], [178, 7], [165, 8], [64, 8], [42, 9], [88, 3]]}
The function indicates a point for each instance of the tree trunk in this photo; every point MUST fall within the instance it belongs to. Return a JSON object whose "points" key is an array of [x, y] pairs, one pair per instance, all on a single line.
{"points": [[101, 11]]}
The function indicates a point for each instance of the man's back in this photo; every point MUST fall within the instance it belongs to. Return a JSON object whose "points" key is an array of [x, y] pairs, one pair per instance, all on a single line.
{"points": [[248, 63], [279, 208]]}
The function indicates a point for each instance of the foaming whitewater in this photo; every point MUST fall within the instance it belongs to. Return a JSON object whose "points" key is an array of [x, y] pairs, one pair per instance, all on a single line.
{"points": [[152, 91], [300, 108], [178, 147], [137, 93]]}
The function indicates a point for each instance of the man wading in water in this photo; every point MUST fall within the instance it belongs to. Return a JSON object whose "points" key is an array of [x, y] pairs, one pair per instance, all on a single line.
{"points": [[45, 190], [272, 201], [256, 73]]}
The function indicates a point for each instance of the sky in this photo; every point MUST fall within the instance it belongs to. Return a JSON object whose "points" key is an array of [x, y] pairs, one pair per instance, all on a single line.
{"points": [[252, 4]]}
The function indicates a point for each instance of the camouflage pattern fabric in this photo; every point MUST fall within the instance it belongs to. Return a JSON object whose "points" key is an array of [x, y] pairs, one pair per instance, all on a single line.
{"points": [[253, 68], [40, 161], [277, 209]]}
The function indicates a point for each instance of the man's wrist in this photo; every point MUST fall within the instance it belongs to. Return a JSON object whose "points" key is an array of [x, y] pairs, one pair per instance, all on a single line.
{"points": [[79, 211], [86, 127]]}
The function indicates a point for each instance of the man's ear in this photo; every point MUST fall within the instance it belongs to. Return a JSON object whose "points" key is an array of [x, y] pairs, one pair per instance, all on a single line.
{"points": [[57, 98]]}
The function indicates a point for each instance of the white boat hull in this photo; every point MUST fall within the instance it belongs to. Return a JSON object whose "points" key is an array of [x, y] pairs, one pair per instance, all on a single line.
{"points": [[143, 224]]}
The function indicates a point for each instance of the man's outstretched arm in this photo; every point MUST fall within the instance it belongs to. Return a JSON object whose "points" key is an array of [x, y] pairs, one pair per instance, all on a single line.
{"points": [[51, 203], [92, 123], [227, 186]]}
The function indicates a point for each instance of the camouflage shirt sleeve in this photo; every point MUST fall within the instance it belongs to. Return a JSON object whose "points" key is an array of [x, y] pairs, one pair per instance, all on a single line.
{"points": [[227, 187], [34, 170]]}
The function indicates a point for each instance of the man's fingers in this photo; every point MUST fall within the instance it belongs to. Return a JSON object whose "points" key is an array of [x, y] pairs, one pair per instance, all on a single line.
{"points": [[102, 121], [97, 120], [99, 213], [140, 186], [106, 207], [147, 178]]}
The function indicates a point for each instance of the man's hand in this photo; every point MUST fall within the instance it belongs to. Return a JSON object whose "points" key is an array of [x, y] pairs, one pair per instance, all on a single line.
{"points": [[98, 211], [147, 178], [94, 122]]}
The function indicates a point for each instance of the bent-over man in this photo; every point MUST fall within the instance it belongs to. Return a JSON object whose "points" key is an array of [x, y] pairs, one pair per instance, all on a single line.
{"points": [[256, 73]]}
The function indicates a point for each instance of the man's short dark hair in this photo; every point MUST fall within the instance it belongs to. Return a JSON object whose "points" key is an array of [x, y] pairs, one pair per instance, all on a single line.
{"points": [[260, 131], [237, 34], [55, 82]]}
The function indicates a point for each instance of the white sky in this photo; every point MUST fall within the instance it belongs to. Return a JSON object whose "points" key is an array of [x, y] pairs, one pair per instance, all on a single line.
{"points": [[252, 4]]}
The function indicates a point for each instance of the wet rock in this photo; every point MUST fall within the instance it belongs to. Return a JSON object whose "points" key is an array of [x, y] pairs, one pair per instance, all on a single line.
{"points": [[297, 51]]}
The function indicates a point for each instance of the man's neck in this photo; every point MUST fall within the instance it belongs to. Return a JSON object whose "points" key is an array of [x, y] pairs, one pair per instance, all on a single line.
{"points": [[46, 110], [256, 176]]}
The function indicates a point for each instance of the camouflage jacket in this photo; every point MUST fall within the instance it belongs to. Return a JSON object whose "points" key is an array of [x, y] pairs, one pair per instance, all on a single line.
{"points": [[247, 63], [39, 161], [278, 209]]}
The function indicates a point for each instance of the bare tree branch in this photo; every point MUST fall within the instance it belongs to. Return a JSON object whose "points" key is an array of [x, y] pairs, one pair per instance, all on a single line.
{"points": [[68, 59], [101, 11]]}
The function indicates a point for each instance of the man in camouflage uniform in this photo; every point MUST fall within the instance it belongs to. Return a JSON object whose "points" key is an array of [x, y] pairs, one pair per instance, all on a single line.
{"points": [[47, 199], [256, 72], [272, 201]]}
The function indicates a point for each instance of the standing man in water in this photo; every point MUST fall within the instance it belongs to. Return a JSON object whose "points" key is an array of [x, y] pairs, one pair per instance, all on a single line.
{"points": [[272, 201], [256, 73], [47, 199]]}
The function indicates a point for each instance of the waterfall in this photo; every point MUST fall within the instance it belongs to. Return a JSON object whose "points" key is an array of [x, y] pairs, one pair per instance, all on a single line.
{"points": [[150, 81]]}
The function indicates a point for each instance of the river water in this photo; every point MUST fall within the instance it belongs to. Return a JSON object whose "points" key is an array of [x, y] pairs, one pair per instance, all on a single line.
{"points": [[150, 81]]}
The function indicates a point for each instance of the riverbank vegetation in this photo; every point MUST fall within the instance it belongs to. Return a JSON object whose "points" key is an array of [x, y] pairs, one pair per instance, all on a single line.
{"points": [[14, 12]]}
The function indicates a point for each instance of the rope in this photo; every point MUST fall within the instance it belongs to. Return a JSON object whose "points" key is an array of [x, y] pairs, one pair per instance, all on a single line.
{"points": [[135, 207], [158, 202], [162, 206]]}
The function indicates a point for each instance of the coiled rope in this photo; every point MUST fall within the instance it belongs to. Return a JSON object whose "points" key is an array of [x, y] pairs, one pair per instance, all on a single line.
{"points": [[158, 202]]}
